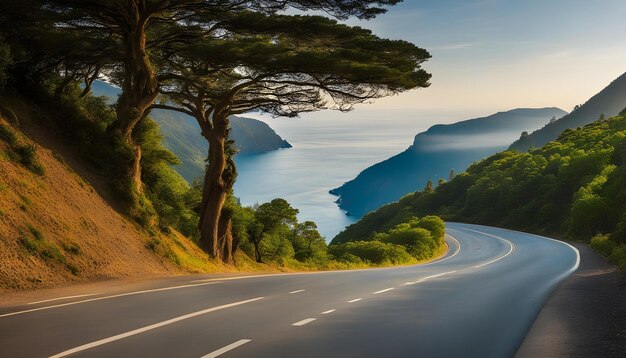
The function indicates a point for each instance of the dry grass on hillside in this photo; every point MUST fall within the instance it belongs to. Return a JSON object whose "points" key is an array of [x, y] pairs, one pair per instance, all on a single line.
{"points": [[56, 229]]}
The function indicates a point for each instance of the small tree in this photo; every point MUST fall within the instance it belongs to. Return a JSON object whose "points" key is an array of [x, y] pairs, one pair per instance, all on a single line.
{"points": [[270, 219], [307, 241], [429, 187]]}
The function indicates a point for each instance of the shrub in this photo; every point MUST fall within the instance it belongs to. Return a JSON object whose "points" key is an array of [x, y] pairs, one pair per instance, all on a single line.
{"points": [[375, 252], [603, 245], [71, 247], [23, 154], [36, 233], [422, 238], [28, 158], [618, 256], [8, 135], [45, 249]]}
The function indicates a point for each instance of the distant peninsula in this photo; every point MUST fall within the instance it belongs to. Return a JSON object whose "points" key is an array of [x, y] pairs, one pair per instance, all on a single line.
{"points": [[435, 153]]}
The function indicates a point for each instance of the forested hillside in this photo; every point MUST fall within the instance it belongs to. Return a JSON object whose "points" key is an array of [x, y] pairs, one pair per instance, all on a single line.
{"points": [[574, 187], [607, 103], [435, 153]]}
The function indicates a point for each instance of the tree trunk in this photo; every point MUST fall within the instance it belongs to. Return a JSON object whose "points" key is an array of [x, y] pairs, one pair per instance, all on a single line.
{"points": [[214, 194], [226, 238], [228, 244], [139, 91], [257, 252]]}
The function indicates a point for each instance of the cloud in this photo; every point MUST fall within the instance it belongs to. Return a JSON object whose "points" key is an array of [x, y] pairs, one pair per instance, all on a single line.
{"points": [[436, 143]]}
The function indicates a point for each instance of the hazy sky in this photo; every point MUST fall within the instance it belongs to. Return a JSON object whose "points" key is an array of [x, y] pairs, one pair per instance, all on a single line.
{"points": [[491, 55]]}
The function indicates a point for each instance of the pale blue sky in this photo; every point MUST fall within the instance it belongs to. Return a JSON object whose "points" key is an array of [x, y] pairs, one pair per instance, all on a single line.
{"points": [[491, 55]]}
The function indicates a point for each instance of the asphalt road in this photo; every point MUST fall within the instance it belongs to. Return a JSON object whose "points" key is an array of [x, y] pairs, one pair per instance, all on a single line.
{"points": [[478, 301]]}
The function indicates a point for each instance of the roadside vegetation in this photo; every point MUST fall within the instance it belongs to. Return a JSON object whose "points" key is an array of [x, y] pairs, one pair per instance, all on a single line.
{"points": [[573, 188], [413, 240]]}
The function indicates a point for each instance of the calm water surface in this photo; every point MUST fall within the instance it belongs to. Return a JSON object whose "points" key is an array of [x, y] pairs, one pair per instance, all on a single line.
{"points": [[328, 150]]}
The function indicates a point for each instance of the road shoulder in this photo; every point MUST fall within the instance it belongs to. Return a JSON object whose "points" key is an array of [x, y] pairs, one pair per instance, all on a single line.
{"points": [[584, 317]]}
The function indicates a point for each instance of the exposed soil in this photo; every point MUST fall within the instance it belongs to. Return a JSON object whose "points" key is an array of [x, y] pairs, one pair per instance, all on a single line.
{"points": [[585, 316], [90, 237]]}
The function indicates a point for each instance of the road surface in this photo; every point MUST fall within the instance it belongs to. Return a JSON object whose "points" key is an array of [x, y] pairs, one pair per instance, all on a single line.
{"points": [[479, 300]]}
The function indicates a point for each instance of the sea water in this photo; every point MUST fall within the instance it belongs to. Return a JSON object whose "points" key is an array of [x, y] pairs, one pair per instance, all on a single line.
{"points": [[329, 148]]}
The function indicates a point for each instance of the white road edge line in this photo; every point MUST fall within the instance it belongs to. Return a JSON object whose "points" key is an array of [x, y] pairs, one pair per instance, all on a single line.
{"points": [[297, 291], [329, 311], [62, 298], [150, 327], [458, 248], [227, 348], [575, 267], [511, 250], [383, 291], [303, 322], [355, 300], [104, 298]]}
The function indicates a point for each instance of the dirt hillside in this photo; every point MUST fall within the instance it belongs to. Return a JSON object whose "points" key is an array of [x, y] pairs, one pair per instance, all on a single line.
{"points": [[55, 228]]}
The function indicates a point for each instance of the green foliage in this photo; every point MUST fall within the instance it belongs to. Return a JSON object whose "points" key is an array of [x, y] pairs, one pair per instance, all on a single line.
{"points": [[24, 154], [271, 223], [71, 248], [28, 158], [603, 244], [8, 135], [372, 252], [616, 253], [84, 122], [37, 245], [307, 242], [271, 233], [170, 195], [575, 186], [421, 239], [36, 233]]}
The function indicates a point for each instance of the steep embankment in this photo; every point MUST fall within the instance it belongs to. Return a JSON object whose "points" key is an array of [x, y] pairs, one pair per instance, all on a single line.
{"points": [[182, 136], [55, 227], [434, 153], [610, 101]]}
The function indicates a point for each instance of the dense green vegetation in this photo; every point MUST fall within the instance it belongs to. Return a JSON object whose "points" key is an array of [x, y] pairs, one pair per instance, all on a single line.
{"points": [[574, 187], [411, 240], [270, 232]]}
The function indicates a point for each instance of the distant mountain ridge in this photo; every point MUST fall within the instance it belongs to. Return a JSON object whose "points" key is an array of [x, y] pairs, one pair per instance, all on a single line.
{"points": [[182, 135], [610, 101], [434, 153]]}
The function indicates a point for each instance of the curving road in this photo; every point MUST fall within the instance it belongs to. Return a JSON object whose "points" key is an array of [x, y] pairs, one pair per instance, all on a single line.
{"points": [[477, 301]]}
